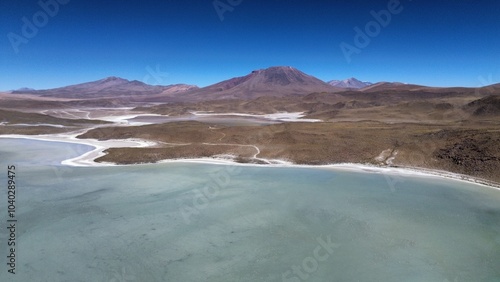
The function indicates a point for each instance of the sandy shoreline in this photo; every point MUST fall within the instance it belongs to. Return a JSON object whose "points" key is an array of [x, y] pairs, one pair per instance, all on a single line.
{"points": [[87, 159]]}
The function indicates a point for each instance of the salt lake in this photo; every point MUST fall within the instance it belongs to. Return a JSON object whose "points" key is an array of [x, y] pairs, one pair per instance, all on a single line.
{"points": [[214, 222]]}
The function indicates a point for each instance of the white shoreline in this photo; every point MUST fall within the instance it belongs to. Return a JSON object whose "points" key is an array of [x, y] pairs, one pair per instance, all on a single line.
{"points": [[355, 167], [88, 160]]}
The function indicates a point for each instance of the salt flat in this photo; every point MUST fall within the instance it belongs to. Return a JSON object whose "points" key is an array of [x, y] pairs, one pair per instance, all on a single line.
{"points": [[283, 116]]}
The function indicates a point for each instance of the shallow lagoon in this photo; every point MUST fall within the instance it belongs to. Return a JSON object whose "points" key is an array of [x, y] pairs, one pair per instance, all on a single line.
{"points": [[202, 222]]}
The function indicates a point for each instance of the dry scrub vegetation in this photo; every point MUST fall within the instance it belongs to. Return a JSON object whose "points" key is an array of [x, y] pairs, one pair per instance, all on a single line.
{"points": [[470, 149]]}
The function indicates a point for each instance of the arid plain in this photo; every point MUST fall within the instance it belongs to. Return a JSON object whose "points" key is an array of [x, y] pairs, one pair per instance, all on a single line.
{"points": [[274, 116]]}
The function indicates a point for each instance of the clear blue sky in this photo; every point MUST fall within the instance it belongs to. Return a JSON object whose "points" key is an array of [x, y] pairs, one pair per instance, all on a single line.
{"points": [[438, 43]]}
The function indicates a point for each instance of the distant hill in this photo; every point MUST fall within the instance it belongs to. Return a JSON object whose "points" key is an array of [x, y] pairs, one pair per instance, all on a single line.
{"points": [[388, 86], [350, 83], [485, 107], [108, 88], [24, 89], [398, 87], [490, 88], [270, 82]]}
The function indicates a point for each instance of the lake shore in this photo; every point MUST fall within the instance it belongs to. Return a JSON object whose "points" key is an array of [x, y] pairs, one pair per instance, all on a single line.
{"points": [[88, 160]]}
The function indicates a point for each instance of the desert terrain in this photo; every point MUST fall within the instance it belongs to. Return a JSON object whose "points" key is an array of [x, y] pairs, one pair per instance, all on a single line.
{"points": [[384, 124]]}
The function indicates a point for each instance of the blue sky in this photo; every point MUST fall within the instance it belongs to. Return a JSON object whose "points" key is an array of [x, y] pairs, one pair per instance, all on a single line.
{"points": [[437, 43]]}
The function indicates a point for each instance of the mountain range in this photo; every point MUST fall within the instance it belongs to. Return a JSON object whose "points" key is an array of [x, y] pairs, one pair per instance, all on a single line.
{"points": [[351, 83], [271, 82], [109, 87]]}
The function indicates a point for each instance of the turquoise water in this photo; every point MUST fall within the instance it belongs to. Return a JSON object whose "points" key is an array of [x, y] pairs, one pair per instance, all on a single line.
{"points": [[201, 222]]}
